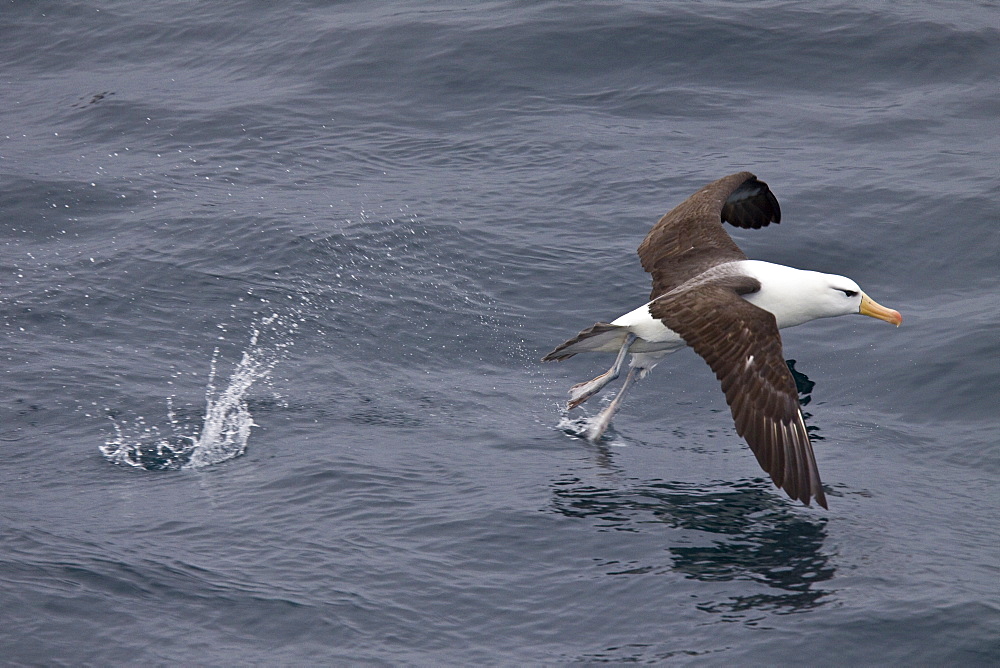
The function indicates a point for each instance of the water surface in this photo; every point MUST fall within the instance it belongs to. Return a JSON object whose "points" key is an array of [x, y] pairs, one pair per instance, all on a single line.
{"points": [[370, 221]]}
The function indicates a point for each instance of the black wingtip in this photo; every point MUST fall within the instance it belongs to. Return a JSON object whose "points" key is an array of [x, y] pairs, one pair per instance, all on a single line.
{"points": [[751, 205]]}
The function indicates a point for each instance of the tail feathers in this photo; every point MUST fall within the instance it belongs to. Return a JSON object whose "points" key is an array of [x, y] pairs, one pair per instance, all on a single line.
{"points": [[601, 337]]}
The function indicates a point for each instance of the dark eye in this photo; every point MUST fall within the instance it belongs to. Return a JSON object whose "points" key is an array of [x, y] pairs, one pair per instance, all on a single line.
{"points": [[850, 293]]}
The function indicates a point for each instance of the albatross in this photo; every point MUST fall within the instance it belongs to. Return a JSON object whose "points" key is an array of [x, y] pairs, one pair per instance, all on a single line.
{"points": [[708, 295]]}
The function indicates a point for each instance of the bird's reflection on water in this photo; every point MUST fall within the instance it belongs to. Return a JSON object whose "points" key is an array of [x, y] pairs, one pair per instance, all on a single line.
{"points": [[805, 388], [723, 532], [714, 532]]}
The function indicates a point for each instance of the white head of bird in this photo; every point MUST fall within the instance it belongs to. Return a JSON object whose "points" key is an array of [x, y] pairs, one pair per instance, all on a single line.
{"points": [[796, 296]]}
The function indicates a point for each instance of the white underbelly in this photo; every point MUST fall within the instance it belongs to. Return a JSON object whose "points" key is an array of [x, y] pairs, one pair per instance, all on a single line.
{"points": [[653, 334]]}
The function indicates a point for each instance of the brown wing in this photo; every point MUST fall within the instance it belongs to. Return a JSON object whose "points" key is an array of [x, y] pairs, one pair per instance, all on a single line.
{"points": [[690, 238], [741, 343]]}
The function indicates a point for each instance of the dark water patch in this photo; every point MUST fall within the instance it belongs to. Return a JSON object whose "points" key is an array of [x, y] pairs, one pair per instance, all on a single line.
{"points": [[60, 209]]}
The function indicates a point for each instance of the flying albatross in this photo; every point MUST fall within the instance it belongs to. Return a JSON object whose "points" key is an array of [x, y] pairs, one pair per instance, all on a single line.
{"points": [[709, 296]]}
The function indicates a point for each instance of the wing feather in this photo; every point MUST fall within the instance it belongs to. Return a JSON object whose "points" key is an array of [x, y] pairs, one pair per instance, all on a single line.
{"points": [[690, 239], [741, 343]]}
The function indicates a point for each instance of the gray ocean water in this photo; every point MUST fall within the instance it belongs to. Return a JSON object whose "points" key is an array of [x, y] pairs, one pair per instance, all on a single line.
{"points": [[276, 278]]}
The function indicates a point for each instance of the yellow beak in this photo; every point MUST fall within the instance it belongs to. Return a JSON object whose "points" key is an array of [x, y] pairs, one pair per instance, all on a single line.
{"points": [[871, 308]]}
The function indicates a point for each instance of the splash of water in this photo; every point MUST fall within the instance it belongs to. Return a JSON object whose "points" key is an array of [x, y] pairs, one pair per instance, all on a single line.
{"points": [[227, 424]]}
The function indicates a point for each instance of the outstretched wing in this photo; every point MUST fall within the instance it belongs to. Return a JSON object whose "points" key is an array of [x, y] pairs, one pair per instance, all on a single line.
{"points": [[741, 343], [690, 239]]}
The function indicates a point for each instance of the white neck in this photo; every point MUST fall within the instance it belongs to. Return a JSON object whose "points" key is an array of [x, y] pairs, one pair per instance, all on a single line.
{"points": [[788, 293]]}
